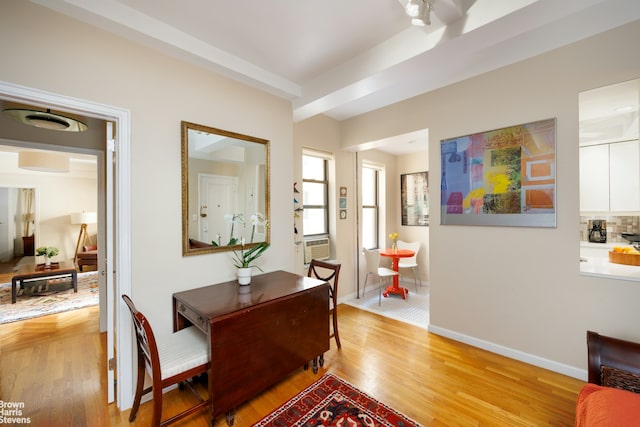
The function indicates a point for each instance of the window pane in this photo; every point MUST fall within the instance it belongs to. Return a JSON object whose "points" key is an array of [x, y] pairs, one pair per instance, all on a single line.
{"points": [[314, 221], [369, 232], [368, 187], [313, 168], [313, 194]]}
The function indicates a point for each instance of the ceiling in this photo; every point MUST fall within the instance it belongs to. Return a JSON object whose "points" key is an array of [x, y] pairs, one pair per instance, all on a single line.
{"points": [[344, 58]]}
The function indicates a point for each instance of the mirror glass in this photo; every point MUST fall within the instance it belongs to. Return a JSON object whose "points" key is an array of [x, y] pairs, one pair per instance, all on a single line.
{"points": [[225, 190]]}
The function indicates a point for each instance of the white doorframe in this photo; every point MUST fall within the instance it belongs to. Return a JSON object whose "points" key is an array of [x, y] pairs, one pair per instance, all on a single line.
{"points": [[121, 118]]}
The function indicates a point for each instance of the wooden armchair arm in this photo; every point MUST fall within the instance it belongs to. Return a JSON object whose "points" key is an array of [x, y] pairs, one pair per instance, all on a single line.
{"points": [[613, 362]]}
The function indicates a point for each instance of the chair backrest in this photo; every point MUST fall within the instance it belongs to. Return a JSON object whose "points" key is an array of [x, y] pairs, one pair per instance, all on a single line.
{"points": [[146, 341], [613, 362], [372, 259], [328, 272], [414, 246]]}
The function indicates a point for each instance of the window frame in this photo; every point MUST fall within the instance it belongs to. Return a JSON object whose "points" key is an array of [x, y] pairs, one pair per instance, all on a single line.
{"points": [[376, 207], [325, 183]]}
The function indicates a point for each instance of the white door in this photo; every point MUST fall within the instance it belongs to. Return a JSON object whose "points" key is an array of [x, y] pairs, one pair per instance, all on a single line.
{"points": [[107, 268], [218, 199]]}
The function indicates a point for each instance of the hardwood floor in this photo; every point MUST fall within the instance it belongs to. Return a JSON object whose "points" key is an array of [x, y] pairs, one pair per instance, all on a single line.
{"points": [[55, 365]]}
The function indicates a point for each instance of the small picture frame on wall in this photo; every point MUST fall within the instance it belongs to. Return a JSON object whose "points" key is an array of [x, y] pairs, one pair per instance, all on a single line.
{"points": [[343, 191], [343, 203], [343, 214]]}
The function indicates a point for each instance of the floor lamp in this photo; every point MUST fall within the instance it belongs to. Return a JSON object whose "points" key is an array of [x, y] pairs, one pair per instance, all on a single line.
{"points": [[83, 218]]}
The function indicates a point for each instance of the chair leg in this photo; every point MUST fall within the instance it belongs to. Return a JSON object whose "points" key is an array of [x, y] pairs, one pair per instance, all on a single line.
{"points": [[156, 418], [364, 288], [334, 317], [138, 395]]}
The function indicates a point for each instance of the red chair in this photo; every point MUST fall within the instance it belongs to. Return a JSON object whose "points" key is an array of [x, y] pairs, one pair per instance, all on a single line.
{"points": [[175, 360]]}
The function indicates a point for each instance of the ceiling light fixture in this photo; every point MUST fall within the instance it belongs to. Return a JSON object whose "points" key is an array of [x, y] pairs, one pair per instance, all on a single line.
{"points": [[420, 12], [46, 120], [43, 161]]}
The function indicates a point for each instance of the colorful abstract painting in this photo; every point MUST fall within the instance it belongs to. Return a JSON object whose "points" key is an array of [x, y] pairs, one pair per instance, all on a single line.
{"points": [[501, 177]]}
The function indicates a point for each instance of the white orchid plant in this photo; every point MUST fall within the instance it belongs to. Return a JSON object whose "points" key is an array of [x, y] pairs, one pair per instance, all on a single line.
{"points": [[243, 258]]}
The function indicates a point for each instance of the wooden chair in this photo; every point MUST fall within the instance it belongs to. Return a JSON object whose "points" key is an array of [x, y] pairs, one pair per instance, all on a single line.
{"points": [[328, 272], [613, 362], [182, 356], [372, 259]]}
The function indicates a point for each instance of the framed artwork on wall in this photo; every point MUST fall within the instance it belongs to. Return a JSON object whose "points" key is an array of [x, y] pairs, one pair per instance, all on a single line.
{"points": [[503, 177], [414, 194]]}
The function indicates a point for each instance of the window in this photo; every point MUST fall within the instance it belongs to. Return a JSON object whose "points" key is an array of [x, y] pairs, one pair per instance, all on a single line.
{"points": [[315, 195], [370, 210]]}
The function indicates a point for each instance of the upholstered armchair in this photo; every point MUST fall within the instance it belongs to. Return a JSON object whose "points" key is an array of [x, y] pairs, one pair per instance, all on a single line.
{"points": [[88, 257]]}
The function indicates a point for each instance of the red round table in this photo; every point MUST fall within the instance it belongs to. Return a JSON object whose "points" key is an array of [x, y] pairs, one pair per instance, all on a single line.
{"points": [[395, 255]]}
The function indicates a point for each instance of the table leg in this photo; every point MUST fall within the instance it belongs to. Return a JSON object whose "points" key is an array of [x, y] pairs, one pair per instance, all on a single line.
{"points": [[74, 280], [14, 290], [396, 288]]}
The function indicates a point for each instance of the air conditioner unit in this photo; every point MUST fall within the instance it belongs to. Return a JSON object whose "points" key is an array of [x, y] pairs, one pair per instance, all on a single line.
{"points": [[316, 249]]}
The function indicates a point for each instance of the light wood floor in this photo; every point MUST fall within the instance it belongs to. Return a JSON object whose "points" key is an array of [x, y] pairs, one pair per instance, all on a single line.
{"points": [[55, 365]]}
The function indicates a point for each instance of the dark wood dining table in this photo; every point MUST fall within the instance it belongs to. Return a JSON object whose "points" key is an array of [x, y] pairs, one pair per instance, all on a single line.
{"points": [[258, 333]]}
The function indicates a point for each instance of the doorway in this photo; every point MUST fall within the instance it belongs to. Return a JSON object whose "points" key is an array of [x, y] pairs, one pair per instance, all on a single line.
{"points": [[116, 208]]}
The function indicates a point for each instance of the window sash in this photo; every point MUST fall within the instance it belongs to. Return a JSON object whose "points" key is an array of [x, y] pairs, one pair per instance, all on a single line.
{"points": [[370, 207], [315, 197]]}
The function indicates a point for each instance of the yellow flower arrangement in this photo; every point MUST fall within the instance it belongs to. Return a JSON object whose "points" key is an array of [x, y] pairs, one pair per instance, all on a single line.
{"points": [[394, 240]]}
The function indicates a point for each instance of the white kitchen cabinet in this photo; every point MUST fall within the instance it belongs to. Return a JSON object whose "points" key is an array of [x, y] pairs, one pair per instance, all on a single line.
{"points": [[610, 177], [624, 176], [594, 178]]}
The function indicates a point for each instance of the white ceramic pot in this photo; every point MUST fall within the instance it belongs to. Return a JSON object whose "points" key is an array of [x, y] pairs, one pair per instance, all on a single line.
{"points": [[47, 261], [244, 276]]}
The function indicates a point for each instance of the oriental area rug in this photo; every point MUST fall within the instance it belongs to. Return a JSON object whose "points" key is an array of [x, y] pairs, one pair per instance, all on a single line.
{"points": [[331, 401], [50, 298]]}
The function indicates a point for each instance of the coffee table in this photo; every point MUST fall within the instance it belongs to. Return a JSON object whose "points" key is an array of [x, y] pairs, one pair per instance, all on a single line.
{"points": [[40, 271]]}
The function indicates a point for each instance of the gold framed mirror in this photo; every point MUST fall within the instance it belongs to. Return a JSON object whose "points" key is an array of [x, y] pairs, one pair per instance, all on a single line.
{"points": [[225, 190]]}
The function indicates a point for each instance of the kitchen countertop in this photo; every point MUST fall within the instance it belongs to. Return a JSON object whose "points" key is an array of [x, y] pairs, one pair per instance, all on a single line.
{"points": [[597, 262]]}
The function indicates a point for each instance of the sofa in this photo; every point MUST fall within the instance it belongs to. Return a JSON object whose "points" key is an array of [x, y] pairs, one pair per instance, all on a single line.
{"points": [[612, 395]]}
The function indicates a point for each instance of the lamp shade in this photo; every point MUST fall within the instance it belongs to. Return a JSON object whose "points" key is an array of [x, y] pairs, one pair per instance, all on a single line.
{"points": [[43, 161], [84, 218]]}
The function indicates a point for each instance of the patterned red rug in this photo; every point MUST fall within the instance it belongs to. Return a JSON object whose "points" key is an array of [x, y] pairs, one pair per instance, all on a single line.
{"points": [[331, 401]]}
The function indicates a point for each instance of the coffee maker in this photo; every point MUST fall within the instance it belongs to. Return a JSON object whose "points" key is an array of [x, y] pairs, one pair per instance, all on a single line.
{"points": [[598, 231]]}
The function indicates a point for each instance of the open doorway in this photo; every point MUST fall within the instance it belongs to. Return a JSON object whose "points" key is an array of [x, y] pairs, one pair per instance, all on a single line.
{"points": [[115, 206], [37, 210], [380, 165]]}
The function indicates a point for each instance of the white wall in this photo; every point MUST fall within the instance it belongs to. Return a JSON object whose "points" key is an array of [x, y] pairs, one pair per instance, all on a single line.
{"points": [[323, 133], [160, 92], [519, 289]]}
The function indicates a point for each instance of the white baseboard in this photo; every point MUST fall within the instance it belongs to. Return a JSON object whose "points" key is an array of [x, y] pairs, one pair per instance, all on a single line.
{"points": [[531, 359]]}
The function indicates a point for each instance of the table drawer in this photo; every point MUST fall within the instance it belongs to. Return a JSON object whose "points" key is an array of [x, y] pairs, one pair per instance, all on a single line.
{"points": [[192, 316]]}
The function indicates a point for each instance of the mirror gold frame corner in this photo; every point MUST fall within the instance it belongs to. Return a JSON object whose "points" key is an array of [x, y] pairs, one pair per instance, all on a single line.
{"points": [[225, 185]]}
